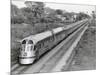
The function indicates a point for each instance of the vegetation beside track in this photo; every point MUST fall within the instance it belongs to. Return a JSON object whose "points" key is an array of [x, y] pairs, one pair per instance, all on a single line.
{"points": [[85, 57]]}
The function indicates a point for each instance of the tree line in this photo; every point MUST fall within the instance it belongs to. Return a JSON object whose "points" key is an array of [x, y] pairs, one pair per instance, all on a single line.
{"points": [[36, 12]]}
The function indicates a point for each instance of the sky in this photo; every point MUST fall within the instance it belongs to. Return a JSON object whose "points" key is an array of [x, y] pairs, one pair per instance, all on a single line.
{"points": [[67, 7]]}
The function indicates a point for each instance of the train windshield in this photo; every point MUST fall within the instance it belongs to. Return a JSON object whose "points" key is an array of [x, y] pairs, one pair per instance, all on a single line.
{"points": [[27, 45], [24, 42]]}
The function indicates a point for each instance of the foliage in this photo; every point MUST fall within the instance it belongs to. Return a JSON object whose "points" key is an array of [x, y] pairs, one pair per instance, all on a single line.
{"points": [[93, 15], [16, 15], [36, 7], [14, 10], [17, 19], [59, 12], [36, 12], [81, 16], [67, 15]]}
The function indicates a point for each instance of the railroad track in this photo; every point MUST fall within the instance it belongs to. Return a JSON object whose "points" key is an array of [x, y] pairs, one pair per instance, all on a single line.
{"points": [[55, 59]]}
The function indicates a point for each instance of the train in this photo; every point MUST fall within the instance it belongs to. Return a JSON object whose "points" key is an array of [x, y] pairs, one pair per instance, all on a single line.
{"points": [[34, 46]]}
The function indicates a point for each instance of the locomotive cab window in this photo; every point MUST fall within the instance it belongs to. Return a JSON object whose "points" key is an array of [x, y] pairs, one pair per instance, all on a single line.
{"points": [[24, 42]]}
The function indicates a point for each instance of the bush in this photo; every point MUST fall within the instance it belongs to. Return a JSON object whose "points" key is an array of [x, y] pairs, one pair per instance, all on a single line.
{"points": [[17, 20]]}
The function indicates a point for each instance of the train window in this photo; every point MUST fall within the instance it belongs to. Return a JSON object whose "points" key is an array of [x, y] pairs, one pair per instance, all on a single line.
{"points": [[42, 44], [30, 42], [39, 45], [24, 42], [51, 38], [35, 47]]}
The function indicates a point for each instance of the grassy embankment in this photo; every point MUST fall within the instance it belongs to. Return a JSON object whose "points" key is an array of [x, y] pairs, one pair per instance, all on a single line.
{"points": [[85, 57]]}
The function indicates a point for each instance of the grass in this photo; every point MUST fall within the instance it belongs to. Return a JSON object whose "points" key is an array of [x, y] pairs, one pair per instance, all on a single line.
{"points": [[93, 23]]}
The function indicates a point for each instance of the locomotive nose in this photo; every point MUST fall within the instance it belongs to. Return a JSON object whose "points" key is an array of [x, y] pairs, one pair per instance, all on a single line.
{"points": [[27, 53], [27, 57], [27, 60]]}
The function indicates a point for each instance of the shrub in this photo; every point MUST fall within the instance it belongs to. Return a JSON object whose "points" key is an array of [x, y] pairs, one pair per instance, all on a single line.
{"points": [[17, 20]]}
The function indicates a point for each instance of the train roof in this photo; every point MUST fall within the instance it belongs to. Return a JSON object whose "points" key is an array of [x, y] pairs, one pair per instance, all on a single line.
{"points": [[43, 35]]}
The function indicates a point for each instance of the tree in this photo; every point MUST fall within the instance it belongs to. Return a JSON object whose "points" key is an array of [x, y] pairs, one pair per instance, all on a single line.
{"points": [[16, 15], [48, 10], [67, 15], [82, 15], [33, 12], [14, 10], [59, 12], [36, 7], [93, 14]]}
